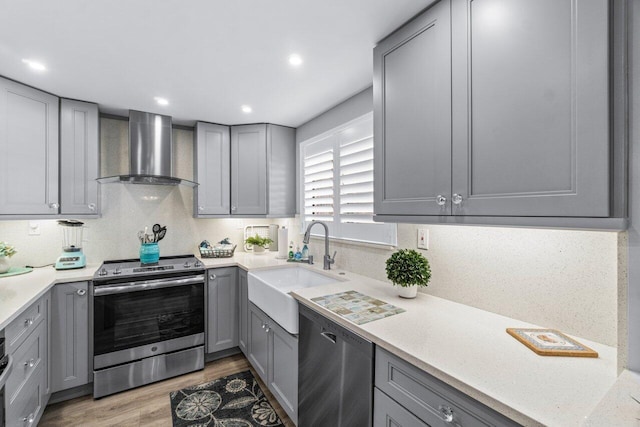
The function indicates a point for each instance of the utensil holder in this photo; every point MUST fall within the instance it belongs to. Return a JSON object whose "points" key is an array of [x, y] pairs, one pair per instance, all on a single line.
{"points": [[149, 253]]}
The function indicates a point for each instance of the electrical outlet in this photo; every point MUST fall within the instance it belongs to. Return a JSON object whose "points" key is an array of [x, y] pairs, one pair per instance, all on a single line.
{"points": [[34, 228], [423, 238]]}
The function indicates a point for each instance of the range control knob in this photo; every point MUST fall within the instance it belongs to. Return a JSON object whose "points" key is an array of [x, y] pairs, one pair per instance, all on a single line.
{"points": [[102, 272], [117, 270], [186, 264], [197, 264]]}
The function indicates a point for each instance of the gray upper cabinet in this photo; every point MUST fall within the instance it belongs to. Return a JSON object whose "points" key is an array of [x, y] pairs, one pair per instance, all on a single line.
{"points": [[263, 175], [222, 309], [69, 336], [249, 170], [213, 156], [412, 116], [79, 158], [531, 107], [479, 114], [28, 150]]}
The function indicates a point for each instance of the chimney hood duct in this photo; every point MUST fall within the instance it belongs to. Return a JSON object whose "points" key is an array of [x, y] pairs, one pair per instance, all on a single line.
{"points": [[150, 152]]}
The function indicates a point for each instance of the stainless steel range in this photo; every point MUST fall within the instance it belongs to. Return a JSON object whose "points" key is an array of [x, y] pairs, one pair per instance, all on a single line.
{"points": [[148, 322]]}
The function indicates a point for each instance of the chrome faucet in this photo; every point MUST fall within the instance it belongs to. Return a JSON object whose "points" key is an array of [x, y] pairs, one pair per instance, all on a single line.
{"points": [[328, 260]]}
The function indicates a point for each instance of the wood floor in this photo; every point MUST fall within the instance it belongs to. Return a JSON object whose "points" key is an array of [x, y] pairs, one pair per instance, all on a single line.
{"points": [[148, 405]]}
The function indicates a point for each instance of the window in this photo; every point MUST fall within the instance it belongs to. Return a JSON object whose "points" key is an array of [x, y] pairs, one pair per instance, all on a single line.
{"points": [[336, 184]]}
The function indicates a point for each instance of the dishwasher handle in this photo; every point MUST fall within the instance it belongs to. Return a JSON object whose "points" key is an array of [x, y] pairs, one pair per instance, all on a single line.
{"points": [[329, 336]]}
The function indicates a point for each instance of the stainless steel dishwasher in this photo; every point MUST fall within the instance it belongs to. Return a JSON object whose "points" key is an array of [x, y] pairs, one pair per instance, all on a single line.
{"points": [[335, 377]]}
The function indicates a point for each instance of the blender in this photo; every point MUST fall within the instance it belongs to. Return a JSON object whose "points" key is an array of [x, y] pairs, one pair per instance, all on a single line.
{"points": [[72, 256]]}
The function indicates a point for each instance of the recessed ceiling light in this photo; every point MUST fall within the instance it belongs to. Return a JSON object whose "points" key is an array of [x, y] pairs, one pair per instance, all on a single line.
{"points": [[34, 65], [295, 60], [246, 109], [161, 101]]}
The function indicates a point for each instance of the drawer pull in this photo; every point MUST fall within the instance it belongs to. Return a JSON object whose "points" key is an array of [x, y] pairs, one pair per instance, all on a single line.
{"points": [[30, 363], [446, 413], [81, 292], [28, 322], [267, 329]]}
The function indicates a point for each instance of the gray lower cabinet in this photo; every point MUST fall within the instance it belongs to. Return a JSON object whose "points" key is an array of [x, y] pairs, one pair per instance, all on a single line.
{"points": [[273, 353], [222, 309], [29, 147], [79, 158], [404, 394], [69, 336], [212, 171], [263, 175], [477, 115], [28, 387], [243, 307]]}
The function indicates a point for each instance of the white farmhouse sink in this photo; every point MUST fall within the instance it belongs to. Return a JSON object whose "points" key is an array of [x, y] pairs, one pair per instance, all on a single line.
{"points": [[269, 290]]}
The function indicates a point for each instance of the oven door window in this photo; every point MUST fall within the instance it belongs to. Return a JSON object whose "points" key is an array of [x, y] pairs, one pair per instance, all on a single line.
{"points": [[131, 319]]}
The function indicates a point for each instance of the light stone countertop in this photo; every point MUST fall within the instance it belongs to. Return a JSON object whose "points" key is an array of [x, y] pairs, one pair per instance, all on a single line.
{"points": [[466, 347]]}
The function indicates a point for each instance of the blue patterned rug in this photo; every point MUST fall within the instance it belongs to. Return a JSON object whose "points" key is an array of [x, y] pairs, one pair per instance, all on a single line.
{"points": [[232, 401]]}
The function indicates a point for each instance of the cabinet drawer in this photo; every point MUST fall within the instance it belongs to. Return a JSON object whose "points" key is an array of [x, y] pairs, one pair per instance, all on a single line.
{"points": [[26, 322], [388, 413], [26, 409], [27, 359], [428, 398]]}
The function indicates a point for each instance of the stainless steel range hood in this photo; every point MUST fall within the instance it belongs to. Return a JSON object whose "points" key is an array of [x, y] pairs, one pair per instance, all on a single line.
{"points": [[150, 152]]}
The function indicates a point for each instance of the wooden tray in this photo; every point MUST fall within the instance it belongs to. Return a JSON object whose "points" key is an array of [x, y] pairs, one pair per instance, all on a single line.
{"points": [[549, 342]]}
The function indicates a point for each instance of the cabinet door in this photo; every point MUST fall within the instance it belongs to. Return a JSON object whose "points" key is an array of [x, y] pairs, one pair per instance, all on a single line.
{"points": [[222, 328], [213, 154], [79, 157], [243, 300], [249, 170], [388, 413], [530, 112], [258, 342], [412, 116], [281, 153], [28, 150], [70, 336], [283, 369]]}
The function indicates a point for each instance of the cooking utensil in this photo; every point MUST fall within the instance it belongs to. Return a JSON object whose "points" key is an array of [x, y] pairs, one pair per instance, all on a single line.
{"points": [[156, 229], [161, 233]]}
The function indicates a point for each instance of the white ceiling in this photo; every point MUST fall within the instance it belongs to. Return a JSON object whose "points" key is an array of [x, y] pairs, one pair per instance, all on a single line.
{"points": [[207, 57]]}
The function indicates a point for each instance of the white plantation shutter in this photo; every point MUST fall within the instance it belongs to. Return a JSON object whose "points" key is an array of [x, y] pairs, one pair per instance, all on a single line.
{"points": [[356, 181], [318, 187], [337, 183]]}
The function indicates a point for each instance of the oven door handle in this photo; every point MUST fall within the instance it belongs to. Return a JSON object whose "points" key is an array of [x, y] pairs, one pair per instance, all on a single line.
{"points": [[146, 285]]}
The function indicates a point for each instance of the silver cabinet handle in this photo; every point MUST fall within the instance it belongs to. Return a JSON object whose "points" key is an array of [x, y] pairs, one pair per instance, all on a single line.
{"points": [[54, 205], [28, 322], [92, 206], [212, 277], [81, 292], [28, 419], [264, 325], [267, 329], [30, 363], [446, 413], [233, 208], [441, 200], [456, 199], [200, 208]]}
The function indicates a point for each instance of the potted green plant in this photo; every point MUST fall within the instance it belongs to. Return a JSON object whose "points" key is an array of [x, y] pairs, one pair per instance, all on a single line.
{"points": [[408, 269], [6, 251], [258, 243]]}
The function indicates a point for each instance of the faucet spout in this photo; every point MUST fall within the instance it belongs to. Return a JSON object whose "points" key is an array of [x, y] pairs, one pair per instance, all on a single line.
{"points": [[328, 260]]}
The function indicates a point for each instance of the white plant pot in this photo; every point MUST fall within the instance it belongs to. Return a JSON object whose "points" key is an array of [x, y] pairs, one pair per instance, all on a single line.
{"points": [[408, 292], [4, 264], [258, 249]]}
